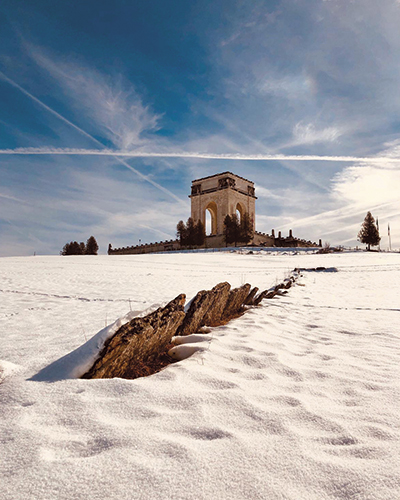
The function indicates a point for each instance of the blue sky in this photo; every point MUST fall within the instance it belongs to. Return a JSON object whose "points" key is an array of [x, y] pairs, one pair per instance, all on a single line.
{"points": [[232, 79]]}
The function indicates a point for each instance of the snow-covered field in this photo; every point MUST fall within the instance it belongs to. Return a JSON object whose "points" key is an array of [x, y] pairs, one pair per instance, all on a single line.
{"points": [[297, 399]]}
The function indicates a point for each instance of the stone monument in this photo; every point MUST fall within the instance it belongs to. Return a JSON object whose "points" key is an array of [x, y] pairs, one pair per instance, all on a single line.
{"points": [[221, 195]]}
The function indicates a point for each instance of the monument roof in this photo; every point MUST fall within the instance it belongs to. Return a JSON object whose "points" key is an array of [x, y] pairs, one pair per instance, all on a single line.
{"points": [[222, 173]]}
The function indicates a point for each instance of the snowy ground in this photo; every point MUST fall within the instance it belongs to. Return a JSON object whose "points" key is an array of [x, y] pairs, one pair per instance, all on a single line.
{"points": [[298, 399]]}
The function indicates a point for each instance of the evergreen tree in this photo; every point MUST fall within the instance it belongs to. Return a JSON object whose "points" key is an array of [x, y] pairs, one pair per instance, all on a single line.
{"points": [[369, 233], [200, 234], [66, 249], [238, 232], [75, 248], [181, 232], [236, 229], [190, 232], [91, 246], [246, 229], [232, 230], [228, 230]]}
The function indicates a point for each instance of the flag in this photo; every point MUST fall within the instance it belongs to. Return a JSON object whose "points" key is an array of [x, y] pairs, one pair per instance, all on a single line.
{"points": [[377, 224]]}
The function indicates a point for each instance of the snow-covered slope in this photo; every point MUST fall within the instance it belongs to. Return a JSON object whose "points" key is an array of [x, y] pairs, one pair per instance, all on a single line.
{"points": [[297, 399]]}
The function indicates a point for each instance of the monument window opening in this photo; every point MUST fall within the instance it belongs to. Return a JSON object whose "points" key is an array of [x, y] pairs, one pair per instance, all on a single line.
{"points": [[211, 219], [208, 222], [239, 212]]}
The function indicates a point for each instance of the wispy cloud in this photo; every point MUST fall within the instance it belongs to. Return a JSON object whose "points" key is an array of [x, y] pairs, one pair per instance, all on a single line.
{"points": [[89, 136], [80, 202], [199, 155], [111, 103], [308, 133], [12, 198]]}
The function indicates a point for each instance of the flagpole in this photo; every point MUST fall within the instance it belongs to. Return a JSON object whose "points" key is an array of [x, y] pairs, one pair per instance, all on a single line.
{"points": [[390, 240]]}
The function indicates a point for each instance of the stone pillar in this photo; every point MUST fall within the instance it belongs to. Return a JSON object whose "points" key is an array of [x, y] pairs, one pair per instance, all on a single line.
{"points": [[273, 233], [320, 243], [290, 233], [279, 235]]}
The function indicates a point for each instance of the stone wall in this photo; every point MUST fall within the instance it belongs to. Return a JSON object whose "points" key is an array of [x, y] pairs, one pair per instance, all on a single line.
{"points": [[137, 347], [263, 239], [161, 246], [217, 241]]}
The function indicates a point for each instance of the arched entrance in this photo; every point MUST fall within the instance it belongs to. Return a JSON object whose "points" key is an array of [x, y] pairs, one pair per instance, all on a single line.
{"points": [[210, 218], [239, 211]]}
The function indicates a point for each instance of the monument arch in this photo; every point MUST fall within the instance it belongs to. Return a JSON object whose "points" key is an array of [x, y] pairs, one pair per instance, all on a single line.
{"points": [[221, 195], [239, 211], [212, 209]]}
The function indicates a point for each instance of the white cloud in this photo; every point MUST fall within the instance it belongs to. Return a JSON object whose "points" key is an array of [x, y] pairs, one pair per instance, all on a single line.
{"points": [[263, 192], [112, 103], [367, 185], [308, 133], [293, 86]]}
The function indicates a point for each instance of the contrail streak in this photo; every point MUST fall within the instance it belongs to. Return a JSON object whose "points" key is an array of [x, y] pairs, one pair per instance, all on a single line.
{"points": [[196, 155], [86, 134]]}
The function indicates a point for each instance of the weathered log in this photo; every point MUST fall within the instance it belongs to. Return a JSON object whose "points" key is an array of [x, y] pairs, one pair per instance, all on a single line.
{"points": [[139, 341]]}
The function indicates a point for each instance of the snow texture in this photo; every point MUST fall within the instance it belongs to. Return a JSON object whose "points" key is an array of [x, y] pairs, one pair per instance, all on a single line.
{"points": [[297, 399]]}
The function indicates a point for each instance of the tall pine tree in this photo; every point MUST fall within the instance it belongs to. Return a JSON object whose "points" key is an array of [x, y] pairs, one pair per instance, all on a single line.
{"points": [[200, 234], [246, 229], [369, 233], [232, 229], [91, 246], [181, 232]]}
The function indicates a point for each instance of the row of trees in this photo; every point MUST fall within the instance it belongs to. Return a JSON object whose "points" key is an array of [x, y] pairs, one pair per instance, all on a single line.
{"points": [[238, 231], [75, 248], [193, 234]]}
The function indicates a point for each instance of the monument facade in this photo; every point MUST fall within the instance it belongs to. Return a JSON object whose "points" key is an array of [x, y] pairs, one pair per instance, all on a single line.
{"points": [[221, 195]]}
